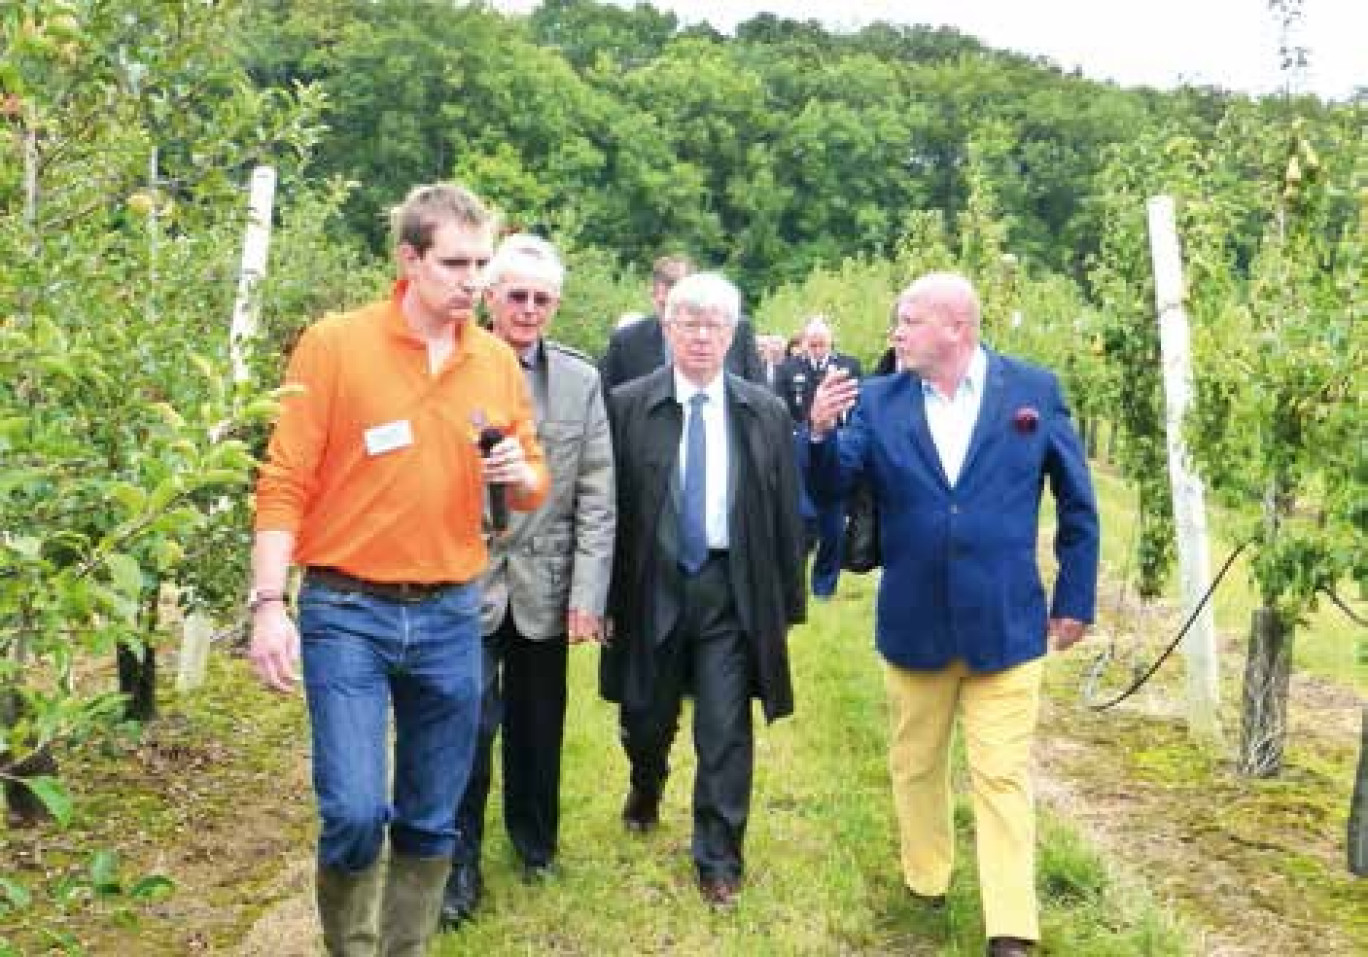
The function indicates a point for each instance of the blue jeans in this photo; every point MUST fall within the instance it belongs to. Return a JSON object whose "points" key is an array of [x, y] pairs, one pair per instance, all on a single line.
{"points": [[361, 654]]}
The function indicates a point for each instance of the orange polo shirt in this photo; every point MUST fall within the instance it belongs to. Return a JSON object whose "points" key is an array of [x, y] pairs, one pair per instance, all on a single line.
{"points": [[373, 465]]}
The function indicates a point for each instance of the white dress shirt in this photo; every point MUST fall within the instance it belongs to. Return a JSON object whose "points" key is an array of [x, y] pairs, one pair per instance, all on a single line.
{"points": [[719, 452], [951, 418]]}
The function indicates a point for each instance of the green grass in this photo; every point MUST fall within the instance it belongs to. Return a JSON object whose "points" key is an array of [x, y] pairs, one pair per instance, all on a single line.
{"points": [[215, 797], [203, 796], [821, 850], [1327, 644], [1194, 826]]}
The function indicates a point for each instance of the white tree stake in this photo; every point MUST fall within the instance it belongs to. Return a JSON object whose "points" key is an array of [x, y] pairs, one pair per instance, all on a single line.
{"points": [[1189, 508], [256, 244], [196, 628]]}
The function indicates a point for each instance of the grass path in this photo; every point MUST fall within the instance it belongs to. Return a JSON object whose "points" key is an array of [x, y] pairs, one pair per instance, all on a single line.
{"points": [[822, 871], [1149, 846]]}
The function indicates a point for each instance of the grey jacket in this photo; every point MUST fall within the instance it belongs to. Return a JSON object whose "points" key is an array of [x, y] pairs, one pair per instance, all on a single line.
{"points": [[561, 555]]}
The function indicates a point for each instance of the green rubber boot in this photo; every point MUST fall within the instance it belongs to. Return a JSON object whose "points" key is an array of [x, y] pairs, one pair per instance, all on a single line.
{"points": [[411, 904], [347, 907]]}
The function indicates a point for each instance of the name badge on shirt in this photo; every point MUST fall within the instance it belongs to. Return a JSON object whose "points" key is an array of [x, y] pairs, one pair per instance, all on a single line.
{"points": [[388, 437]]}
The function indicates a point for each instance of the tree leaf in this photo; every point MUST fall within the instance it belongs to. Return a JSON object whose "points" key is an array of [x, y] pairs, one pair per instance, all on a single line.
{"points": [[152, 887], [124, 569], [128, 495], [104, 872], [16, 894], [54, 796]]}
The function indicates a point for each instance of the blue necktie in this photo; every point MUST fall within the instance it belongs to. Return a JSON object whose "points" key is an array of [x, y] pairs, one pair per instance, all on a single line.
{"points": [[693, 506]]}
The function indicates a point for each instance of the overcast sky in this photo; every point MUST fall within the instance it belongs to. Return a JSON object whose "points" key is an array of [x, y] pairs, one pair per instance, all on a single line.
{"points": [[1228, 43]]}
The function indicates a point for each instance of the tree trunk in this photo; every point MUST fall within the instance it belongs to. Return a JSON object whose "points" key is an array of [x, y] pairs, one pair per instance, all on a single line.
{"points": [[1358, 809], [1087, 433], [23, 809], [138, 681], [1267, 671]]}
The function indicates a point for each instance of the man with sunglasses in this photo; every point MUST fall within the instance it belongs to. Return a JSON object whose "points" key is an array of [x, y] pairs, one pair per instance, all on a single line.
{"points": [[374, 485], [547, 580]]}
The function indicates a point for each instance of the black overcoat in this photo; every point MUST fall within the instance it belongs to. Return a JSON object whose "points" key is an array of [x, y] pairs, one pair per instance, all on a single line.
{"points": [[765, 559]]}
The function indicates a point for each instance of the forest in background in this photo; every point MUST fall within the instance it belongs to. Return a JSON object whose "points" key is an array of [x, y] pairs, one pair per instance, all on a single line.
{"points": [[766, 154]]}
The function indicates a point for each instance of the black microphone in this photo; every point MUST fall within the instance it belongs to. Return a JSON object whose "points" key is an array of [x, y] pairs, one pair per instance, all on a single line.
{"points": [[498, 494]]}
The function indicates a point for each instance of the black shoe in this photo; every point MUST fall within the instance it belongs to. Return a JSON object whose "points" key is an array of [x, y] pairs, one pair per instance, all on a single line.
{"points": [[462, 896], [720, 892], [641, 812], [538, 872], [1009, 947]]}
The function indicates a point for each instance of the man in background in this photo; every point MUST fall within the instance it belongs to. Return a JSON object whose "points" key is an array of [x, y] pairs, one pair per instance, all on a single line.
{"points": [[798, 383], [547, 580], [773, 355], [642, 347]]}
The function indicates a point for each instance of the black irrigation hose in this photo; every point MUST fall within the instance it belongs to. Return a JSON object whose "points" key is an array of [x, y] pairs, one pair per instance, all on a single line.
{"points": [[1349, 612], [1138, 683]]}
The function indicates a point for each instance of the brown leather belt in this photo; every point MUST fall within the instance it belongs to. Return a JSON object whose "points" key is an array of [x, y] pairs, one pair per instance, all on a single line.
{"points": [[409, 593]]}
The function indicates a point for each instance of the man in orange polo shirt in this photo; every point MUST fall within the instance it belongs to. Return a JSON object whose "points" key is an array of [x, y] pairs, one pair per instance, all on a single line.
{"points": [[374, 484]]}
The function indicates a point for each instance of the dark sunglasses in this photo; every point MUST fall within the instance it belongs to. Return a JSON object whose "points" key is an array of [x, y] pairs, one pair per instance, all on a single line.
{"points": [[522, 296]]}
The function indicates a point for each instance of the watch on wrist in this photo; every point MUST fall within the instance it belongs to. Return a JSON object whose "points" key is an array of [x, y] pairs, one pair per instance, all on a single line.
{"points": [[263, 596]]}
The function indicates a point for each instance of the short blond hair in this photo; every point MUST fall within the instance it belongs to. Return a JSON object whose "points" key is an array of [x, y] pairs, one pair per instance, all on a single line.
{"points": [[426, 208]]}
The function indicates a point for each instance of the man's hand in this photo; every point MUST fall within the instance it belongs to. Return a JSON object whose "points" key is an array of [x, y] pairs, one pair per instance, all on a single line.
{"points": [[1066, 632], [506, 464], [583, 626], [835, 395], [274, 652]]}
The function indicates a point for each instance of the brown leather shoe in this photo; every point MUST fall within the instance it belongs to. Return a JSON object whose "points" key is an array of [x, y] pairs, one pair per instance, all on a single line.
{"points": [[720, 892], [928, 901], [1009, 947], [641, 811]]}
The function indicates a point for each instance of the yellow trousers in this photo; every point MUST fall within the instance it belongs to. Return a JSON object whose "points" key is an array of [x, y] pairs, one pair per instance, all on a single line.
{"points": [[997, 714]]}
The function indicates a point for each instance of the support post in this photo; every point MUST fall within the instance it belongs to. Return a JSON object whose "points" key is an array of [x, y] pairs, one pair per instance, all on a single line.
{"points": [[196, 628], [256, 244], [1189, 508], [193, 663]]}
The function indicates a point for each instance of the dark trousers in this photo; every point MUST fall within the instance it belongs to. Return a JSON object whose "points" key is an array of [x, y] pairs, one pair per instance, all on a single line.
{"points": [[828, 529], [709, 653], [524, 694]]}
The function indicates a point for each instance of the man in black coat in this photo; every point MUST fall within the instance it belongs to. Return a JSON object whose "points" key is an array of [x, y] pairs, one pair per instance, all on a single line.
{"points": [[707, 573], [797, 382], [641, 347]]}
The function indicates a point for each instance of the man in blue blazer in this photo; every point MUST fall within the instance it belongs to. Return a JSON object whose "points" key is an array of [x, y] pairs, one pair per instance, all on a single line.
{"points": [[957, 452]]}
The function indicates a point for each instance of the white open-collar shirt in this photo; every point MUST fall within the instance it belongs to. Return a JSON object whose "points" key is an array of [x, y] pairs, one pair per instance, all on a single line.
{"points": [[951, 418]]}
